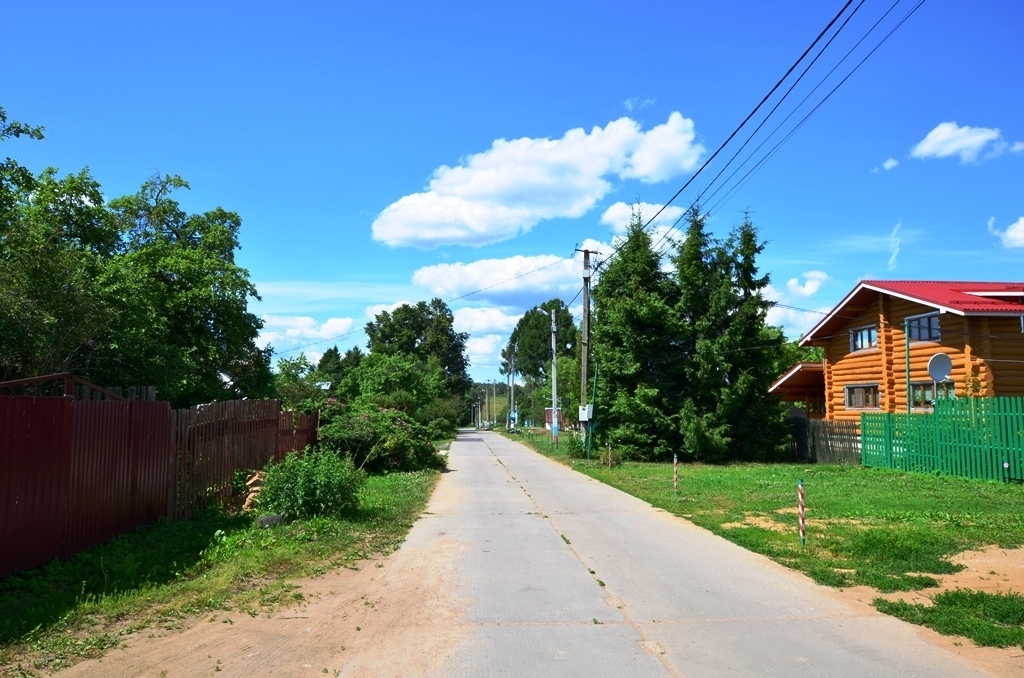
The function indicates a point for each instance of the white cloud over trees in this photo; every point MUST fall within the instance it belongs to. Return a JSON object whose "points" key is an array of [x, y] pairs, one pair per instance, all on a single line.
{"points": [[620, 214]]}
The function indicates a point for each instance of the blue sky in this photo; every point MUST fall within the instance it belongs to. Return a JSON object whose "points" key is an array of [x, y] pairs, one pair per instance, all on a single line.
{"points": [[386, 152]]}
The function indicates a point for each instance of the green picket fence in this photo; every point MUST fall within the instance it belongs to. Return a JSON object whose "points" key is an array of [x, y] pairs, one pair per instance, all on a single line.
{"points": [[980, 438]]}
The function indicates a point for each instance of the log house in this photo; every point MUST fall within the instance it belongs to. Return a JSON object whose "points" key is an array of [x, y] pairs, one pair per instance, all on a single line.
{"points": [[979, 325]]}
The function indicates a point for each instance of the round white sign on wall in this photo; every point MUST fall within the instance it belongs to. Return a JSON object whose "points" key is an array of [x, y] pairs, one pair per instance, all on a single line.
{"points": [[939, 366]]}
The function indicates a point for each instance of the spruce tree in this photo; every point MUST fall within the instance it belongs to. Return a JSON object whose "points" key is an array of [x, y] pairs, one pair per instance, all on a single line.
{"points": [[634, 343], [727, 412]]}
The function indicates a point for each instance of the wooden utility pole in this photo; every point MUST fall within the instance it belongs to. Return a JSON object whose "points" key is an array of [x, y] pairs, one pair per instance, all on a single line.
{"points": [[585, 341], [585, 338], [554, 377], [512, 391]]}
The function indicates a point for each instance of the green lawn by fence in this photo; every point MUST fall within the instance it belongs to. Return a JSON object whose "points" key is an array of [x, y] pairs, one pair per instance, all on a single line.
{"points": [[981, 438]]}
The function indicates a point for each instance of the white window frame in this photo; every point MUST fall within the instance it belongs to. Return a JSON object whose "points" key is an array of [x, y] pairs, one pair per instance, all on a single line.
{"points": [[846, 396], [931, 314], [857, 330]]}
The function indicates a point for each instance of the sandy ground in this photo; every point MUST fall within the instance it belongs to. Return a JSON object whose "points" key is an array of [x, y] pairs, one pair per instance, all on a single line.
{"points": [[391, 617]]}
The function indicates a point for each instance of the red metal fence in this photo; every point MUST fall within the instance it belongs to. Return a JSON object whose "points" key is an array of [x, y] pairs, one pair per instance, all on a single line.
{"points": [[74, 473]]}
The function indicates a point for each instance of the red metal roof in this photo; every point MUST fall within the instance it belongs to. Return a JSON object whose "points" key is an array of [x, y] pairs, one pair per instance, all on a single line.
{"points": [[960, 298]]}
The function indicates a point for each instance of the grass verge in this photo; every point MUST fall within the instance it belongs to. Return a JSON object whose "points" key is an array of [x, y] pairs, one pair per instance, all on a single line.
{"points": [[163, 573], [889, 530], [989, 619]]}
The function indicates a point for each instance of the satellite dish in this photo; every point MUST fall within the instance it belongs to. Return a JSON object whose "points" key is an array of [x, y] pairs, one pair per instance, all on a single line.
{"points": [[939, 366]]}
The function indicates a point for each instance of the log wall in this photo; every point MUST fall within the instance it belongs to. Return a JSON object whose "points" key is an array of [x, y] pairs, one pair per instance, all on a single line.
{"points": [[987, 355]]}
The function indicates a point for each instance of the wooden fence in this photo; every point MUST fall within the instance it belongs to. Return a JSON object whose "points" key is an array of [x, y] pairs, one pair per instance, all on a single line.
{"points": [[826, 442], [214, 441], [979, 438], [74, 473]]}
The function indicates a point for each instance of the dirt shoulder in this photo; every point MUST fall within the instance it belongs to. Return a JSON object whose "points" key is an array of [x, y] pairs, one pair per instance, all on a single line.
{"points": [[392, 616]]}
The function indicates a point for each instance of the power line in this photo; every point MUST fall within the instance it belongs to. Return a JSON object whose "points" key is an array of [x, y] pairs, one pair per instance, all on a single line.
{"points": [[772, 152], [809, 94], [783, 98], [775, 149], [752, 113]]}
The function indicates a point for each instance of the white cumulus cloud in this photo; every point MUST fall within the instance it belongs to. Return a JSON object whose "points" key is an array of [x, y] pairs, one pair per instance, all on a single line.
{"points": [[1018, 147], [949, 139], [486, 319], [890, 163], [288, 331], [812, 283], [485, 351], [494, 195], [547, 274], [620, 214], [1013, 236]]}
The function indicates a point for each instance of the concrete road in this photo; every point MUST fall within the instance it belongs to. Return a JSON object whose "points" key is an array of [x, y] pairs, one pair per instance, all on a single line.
{"points": [[560, 575]]}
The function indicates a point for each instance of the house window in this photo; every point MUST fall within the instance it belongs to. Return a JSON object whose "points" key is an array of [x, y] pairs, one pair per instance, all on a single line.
{"points": [[922, 394], [924, 327], [862, 397], [863, 337]]}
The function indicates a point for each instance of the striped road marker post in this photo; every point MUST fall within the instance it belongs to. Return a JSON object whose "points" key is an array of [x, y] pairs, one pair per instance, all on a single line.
{"points": [[800, 512], [675, 474]]}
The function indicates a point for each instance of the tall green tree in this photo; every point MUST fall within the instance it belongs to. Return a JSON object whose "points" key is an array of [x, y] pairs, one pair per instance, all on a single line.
{"points": [[184, 323], [635, 340], [333, 366], [425, 331], [726, 412], [530, 340], [134, 291]]}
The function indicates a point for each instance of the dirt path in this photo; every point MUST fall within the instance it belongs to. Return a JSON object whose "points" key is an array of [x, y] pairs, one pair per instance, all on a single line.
{"points": [[393, 617]]}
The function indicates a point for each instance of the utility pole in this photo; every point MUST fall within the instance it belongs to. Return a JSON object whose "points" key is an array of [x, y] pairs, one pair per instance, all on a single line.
{"points": [[512, 391], [554, 377], [585, 339], [494, 396]]}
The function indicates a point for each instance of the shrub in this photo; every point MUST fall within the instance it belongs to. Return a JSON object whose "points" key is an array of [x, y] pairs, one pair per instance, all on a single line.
{"points": [[574, 445], [379, 439], [318, 482], [441, 429]]}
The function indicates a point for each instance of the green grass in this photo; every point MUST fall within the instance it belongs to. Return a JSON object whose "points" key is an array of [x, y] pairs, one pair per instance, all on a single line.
{"points": [[989, 619], [890, 530], [160, 574]]}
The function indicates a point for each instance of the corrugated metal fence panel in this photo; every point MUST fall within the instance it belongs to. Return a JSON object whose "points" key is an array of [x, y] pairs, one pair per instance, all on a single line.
{"points": [[35, 436], [152, 445], [100, 494], [980, 438], [74, 473]]}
